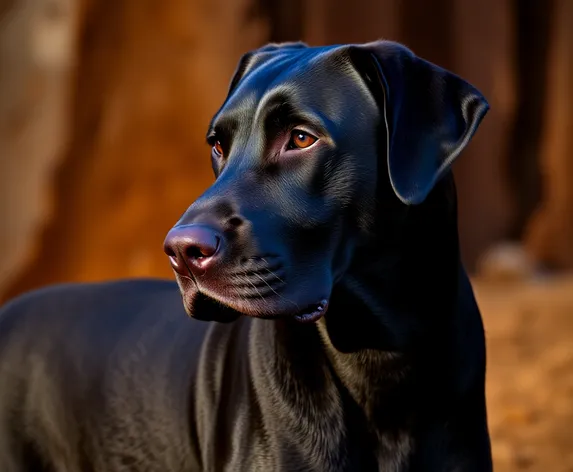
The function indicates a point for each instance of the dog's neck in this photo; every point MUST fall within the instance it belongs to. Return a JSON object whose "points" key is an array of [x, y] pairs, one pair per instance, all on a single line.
{"points": [[379, 341], [394, 310], [404, 282]]}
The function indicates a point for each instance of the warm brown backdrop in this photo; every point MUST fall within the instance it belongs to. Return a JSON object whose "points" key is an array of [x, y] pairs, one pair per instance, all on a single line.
{"points": [[105, 104], [103, 109]]}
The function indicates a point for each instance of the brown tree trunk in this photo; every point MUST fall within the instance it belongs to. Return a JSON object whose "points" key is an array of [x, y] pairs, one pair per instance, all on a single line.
{"points": [[336, 21], [285, 18], [482, 42], [150, 76], [550, 234], [533, 19], [432, 40], [37, 59]]}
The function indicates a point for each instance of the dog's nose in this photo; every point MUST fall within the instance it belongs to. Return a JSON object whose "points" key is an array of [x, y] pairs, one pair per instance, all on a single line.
{"points": [[192, 248]]}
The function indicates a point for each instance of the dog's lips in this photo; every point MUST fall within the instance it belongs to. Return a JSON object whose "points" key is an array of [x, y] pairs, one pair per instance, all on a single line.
{"points": [[192, 294], [313, 313]]}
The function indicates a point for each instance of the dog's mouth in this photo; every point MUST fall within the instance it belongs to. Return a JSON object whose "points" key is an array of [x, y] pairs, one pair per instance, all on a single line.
{"points": [[259, 288], [211, 305], [269, 308], [312, 313]]}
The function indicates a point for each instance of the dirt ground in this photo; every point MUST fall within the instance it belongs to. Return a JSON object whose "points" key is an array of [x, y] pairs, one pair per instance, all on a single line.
{"points": [[529, 328]]}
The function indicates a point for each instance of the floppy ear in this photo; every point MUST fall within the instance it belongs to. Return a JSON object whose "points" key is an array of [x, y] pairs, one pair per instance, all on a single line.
{"points": [[430, 115], [252, 59]]}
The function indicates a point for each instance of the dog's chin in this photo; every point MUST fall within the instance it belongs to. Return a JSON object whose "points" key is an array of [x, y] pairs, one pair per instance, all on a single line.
{"points": [[211, 307], [201, 307]]}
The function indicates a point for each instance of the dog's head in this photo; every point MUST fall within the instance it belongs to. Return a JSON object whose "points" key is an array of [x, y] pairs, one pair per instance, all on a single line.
{"points": [[306, 144]]}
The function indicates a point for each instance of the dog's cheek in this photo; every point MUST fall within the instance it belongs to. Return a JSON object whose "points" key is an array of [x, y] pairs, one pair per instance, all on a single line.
{"points": [[362, 212], [342, 256], [351, 190]]}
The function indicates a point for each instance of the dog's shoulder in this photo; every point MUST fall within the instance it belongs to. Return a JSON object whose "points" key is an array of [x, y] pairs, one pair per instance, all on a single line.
{"points": [[108, 352], [56, 307], [62, 336], [87, 323]]}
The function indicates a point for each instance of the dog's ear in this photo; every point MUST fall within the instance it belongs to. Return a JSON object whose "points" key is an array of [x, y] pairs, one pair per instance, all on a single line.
{"points": [[430, 114], [252, 59]]}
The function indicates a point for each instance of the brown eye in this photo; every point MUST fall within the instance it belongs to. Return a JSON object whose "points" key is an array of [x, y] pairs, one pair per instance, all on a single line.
{"points": [[218, 148], [301, 140]]}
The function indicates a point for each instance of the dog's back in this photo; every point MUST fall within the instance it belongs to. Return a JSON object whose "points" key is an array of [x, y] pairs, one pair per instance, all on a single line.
{"points": [[97, 374]]}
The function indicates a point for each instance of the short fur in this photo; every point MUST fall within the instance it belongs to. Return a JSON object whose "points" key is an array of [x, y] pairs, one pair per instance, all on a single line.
{"points": [[114, 377]]}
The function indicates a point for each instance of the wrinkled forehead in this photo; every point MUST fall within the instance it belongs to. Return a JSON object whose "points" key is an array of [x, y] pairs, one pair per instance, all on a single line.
{"points": [[318, 83]]}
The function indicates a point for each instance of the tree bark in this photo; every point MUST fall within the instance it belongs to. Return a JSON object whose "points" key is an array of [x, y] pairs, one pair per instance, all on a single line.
{"points": [[37, 60], [482, 42], [549, 236], [530, 62], [149, 78]]}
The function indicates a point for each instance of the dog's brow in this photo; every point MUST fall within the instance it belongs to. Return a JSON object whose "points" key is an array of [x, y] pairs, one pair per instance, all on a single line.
{"points": [[277, 111], [221, 125], [285, 115], [280, 108]]}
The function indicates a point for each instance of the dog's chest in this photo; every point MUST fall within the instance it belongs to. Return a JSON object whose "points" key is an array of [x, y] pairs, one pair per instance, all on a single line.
{"points": [[327, 436], [392, 452]]}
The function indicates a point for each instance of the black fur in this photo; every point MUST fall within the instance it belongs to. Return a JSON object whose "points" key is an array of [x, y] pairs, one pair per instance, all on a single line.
{"points": [[114, 377]]}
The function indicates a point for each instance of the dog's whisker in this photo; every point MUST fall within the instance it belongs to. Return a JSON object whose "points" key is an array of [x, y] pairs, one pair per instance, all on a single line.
{"points": [[256, 289], [278, 294], [275, 275], [271, 271], [242, 299], [256, 270]]}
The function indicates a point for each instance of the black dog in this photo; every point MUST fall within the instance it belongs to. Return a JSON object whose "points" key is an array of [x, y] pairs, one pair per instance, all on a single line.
{"points": [[333, 214]]}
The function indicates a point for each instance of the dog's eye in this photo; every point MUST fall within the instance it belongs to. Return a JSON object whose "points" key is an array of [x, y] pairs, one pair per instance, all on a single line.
{"points": [[301, 139], [218, 148]]}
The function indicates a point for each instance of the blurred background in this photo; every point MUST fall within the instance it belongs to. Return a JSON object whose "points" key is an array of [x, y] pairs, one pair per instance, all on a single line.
{"points": [[104, 106]]}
